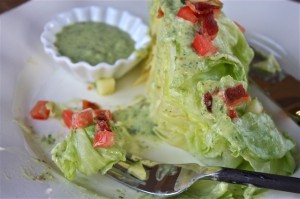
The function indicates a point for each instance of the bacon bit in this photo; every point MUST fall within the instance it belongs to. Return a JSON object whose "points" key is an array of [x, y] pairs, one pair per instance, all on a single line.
{"points": [[104, 137], [232, 113], [102, 126], [242, 29], [210, 2], [208, 101], [204, 8], [160, 13], [209, 26], [235, 96], [205, 12], [88, 104], [100, 114]]}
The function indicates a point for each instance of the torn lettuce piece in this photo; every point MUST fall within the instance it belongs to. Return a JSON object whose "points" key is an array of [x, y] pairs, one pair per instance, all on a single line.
{"points": [[76, 153], [270, 64]]}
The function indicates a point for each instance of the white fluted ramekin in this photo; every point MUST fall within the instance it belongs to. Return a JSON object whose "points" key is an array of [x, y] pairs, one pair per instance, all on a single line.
{"points": [[83, 70]]}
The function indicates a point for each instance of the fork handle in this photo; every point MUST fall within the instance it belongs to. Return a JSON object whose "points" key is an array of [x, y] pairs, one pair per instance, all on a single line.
{"points": [[263, 180]]}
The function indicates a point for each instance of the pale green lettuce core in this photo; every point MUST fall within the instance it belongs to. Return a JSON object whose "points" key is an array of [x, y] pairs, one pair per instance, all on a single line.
{"points": [[179, 79]]}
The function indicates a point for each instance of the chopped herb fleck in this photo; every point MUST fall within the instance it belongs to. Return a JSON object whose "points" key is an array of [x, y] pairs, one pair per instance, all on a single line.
{"points": [[48, 139]]}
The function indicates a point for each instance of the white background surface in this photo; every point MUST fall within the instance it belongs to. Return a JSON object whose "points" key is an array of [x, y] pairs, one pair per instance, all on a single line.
{"points": [[27, 74]]}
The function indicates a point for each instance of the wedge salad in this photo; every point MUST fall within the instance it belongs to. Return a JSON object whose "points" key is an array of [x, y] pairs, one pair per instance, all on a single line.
{"points": [[196, 100]]}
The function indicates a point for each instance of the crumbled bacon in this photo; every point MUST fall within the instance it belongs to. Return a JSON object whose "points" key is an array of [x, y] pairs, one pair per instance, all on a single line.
{"points": [[232, 113], [208, 101], [235, 96], [204, 8], [102, 125], [160, 13], [102, 114], [205, 13], [209, 26], [88, 104]]}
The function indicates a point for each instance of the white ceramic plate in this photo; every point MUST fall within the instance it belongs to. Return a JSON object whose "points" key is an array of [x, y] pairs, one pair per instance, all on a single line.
{"points": [[28, 74]]}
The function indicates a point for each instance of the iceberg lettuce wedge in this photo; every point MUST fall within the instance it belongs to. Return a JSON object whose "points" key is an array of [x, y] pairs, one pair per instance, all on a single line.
{"points": [[180, 78]]}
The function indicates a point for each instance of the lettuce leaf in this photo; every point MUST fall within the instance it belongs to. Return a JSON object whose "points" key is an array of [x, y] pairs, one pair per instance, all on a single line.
{"points": [[270, 64], [76, 153]]}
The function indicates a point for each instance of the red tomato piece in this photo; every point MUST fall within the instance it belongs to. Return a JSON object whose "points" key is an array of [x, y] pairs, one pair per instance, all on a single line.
{"points": [[67, 117], [235, 96], [203, 45], [83, 118], [186, 13], [40, 111], [87, 104], [104, 139]]}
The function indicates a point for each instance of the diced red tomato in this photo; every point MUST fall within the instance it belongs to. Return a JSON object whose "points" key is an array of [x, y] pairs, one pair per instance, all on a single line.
{"points": [[235, 96], [40, 111], [203, 45], [104, 139], [186, 13], [160, 13], [83, 118], [101, 114], [208, 101], [87, 104], [232, 113], [67, 117]]}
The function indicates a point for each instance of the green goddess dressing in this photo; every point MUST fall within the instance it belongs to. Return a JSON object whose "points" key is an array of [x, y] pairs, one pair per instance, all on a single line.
{"points": [[94, 42]]}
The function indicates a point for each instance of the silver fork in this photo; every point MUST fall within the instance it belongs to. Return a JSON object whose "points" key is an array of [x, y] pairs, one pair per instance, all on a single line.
{"points": [[172, 179]]}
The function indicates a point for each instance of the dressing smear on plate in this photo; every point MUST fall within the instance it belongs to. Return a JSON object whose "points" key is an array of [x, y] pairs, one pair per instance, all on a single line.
{"points": [[197, 101]]}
